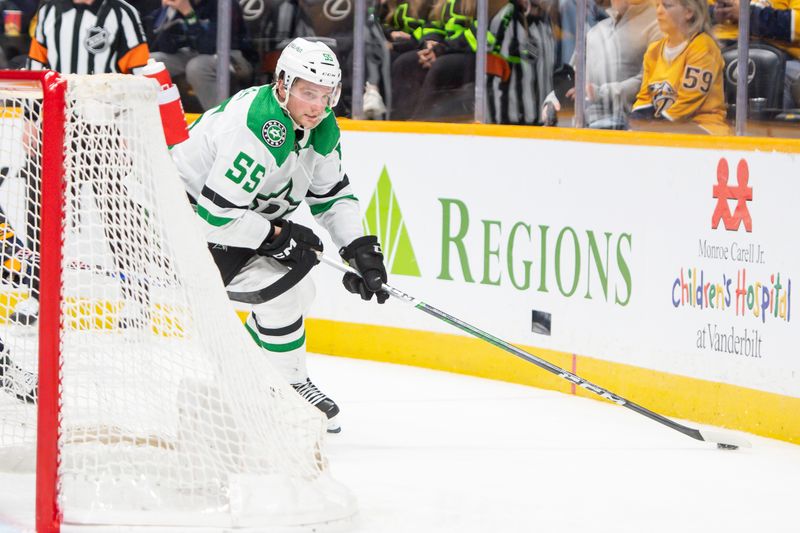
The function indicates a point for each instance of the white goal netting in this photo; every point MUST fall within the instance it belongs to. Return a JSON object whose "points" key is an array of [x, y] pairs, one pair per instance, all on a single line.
{"points": [[169, 414]]}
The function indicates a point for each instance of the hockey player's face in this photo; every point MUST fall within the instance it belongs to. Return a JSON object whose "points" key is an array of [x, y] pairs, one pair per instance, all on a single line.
{"points": [[308, 102]]}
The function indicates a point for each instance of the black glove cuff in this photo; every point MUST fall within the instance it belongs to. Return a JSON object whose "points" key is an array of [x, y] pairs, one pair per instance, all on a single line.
{"points": [[274, 243], [349, 252], [271, 234]]}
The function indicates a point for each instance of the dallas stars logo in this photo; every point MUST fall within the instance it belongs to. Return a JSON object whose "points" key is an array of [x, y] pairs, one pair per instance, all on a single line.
{"points": [[274, 133], [277, 204]]}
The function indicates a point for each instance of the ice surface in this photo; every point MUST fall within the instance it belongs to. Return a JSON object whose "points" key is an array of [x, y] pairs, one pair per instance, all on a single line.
{"points": [[428, 451]]}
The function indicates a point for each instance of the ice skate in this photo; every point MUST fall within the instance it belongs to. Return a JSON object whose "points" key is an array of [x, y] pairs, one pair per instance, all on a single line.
{"points": [[22, 384], [321, 401], [26, 312]]}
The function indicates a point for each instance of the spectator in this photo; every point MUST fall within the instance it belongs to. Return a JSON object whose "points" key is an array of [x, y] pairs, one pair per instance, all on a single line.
{"points": [[567, 23], [145, 6], [273, 30], [427, 83], [408, 70], [403, 24], [775, 22], [285, 21], [682, 73], [15, 43], [795, 91], [524, 39], [377, 67], [615, 48], [184, 38], [403, 29]]}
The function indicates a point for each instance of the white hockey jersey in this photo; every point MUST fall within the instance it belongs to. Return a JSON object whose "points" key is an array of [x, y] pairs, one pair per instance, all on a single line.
{"points": [[245, 165]]}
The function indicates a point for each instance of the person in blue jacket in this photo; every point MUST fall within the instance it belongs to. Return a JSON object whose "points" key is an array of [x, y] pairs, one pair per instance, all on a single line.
{"points": [[183, 35]]}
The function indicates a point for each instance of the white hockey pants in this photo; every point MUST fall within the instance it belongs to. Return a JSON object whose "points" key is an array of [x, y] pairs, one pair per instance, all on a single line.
{"points": [[276, 325]]}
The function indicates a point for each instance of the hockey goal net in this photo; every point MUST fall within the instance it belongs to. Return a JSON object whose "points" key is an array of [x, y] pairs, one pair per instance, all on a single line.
{"points": [[154, 406]]}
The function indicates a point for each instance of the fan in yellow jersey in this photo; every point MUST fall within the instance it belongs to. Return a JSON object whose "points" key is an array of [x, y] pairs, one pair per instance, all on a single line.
{"points": [[682, 78]]}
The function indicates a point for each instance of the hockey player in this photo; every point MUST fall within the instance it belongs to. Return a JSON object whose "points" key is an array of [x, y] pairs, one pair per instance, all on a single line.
{"points": [[246, 166], [17, 263]]}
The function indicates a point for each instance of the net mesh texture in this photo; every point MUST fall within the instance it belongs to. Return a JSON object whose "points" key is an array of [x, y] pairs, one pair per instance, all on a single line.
{"points": [[169, 412]]}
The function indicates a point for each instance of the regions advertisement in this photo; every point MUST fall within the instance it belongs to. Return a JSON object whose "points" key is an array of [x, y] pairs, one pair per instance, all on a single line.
{"points": [[673, 259]]}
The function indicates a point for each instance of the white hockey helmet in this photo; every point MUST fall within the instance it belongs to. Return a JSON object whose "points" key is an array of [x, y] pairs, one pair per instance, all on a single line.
{"points": [[312, 61]]}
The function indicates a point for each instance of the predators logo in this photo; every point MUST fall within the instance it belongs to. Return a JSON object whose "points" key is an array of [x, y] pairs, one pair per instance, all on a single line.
{"points": [[663, 96]]}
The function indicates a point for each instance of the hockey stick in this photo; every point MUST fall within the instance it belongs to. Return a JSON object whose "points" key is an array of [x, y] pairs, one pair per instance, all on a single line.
{"points": [[78, 265], [722, 440]]}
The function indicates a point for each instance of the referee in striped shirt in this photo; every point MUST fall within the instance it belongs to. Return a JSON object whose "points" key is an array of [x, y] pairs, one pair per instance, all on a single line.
{"points": [[88, 37]]}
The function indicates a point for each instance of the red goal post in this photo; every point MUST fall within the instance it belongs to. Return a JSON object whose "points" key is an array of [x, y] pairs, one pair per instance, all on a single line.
{"points": [[154, 406], [52, 89]]}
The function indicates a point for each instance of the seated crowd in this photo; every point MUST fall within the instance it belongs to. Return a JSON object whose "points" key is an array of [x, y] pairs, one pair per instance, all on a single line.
{"points": [[649, 64]]}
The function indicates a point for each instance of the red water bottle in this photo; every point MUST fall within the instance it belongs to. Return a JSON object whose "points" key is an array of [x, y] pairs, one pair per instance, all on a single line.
{"points": [[157, 71], [173, 120]]}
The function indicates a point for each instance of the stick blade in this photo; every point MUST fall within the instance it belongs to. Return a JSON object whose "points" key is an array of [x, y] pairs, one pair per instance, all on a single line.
{"points": [[726, 441]]}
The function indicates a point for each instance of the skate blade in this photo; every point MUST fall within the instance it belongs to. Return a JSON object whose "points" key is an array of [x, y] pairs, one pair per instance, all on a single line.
{"points": [[333, 426]]}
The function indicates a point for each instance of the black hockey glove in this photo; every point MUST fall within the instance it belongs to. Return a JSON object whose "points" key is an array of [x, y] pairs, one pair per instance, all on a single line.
{"points": [[295, 245], [364, 254]]}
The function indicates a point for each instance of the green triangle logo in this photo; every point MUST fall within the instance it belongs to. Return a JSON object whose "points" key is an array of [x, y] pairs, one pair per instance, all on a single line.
{"points": [[384, 219]]}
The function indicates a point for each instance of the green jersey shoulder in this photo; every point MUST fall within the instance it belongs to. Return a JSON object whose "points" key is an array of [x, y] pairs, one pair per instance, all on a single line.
{"points": [[244, 164], [268, 122], [325, 137]]}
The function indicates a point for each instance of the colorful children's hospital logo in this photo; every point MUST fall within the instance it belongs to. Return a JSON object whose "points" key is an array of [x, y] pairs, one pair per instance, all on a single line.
{"points": [[726, 195]]}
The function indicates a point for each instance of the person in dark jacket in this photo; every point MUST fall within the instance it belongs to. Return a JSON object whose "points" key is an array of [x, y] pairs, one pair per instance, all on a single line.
{"points": [[776, 23], [434, 81], [439, 66], [183, 35]]}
